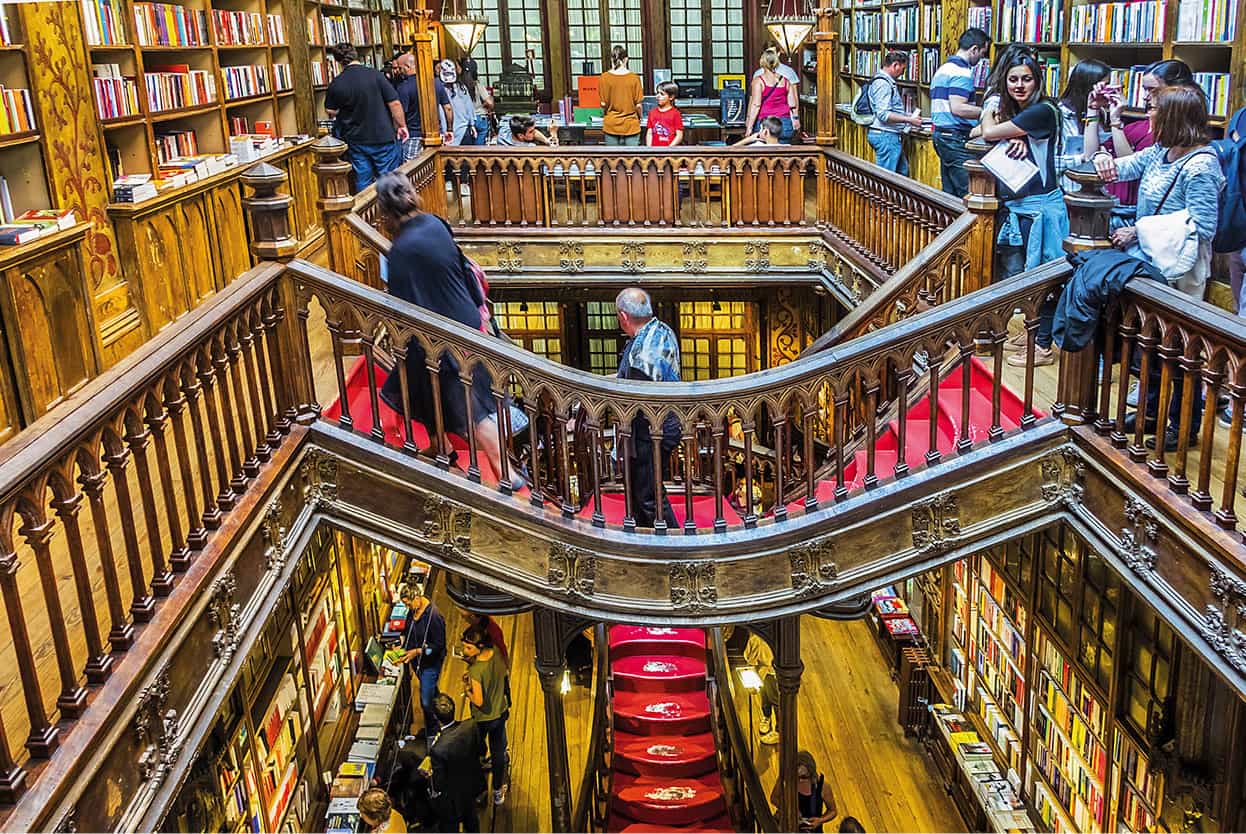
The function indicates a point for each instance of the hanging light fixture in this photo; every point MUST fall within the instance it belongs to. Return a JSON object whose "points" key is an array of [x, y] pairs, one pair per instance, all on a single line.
{"points": [[466, 29], [789, 23]]}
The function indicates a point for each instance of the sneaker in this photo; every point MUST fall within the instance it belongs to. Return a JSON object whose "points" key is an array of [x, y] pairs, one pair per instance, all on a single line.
{"points": [[763, 726], [1225, 416], [1132, 397], [1042, 356], [499, 795], [771, 737], [1016, 341]]}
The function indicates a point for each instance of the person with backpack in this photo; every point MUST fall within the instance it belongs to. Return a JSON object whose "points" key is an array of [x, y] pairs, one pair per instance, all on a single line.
{"points": [[953, 111], [1179, 180], [888, 121], [1037, 220]]}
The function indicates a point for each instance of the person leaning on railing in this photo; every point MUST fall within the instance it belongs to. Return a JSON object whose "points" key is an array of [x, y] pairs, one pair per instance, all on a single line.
{"points": [[521, 131], [1179, 179], [426, 267]]}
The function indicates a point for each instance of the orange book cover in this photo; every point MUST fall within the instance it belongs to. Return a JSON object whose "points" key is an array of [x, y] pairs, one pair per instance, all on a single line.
{"points": [[589, 89]]}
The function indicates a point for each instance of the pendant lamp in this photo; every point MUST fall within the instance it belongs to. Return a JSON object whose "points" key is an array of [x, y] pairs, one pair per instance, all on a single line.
{"points": [[464, 28], [789, 23]]}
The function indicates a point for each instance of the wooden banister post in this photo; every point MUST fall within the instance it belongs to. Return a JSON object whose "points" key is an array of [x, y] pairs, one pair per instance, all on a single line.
{"points": [[270, 214], [788, 669], [423, 40], [826, 37], [1090, 211], [334, 200], [982, 202], [551, 663]]}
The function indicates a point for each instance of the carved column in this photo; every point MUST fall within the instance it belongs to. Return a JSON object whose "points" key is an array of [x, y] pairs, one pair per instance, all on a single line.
{"points": [[423, 40], [43, 739], [787, 670], [826, 37], [270, 214], [982, 202], [334, 199], [551, 661]]}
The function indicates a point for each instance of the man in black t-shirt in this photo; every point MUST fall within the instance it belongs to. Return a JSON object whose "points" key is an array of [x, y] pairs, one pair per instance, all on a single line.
{"points": [[409, 97], [369, 117]]}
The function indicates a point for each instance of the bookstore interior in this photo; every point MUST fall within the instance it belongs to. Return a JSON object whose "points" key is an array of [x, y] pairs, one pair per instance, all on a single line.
{"points": [[1032, 685]]}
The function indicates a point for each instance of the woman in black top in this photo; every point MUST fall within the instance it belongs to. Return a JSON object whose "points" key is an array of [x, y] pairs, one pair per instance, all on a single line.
{"points": [[813, 795], [427, 268]]}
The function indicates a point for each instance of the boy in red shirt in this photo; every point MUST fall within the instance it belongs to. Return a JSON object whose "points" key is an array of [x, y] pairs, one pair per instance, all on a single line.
{"points": [[666, 123]]}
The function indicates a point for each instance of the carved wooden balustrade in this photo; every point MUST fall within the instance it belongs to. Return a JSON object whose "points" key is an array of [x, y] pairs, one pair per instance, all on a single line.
{"points": [[592, 801], [780, 409]]}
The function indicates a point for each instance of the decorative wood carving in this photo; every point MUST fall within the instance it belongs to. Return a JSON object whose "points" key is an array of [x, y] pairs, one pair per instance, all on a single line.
{"points": [[571, 256], [693, 586], [448, 524], [1222, 622], [68, 824], [813, 567], [1137, 549], [156, 728], [275, 536], [1063, 476], [936, 524], [572, 570], [633, 257], [757, 256], [510, 256], [319, 473], [696, 257], [223, 613]]}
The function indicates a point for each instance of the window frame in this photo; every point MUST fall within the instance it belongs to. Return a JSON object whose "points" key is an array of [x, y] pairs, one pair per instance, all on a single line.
{"points": [[540, 81], [607, 43]]}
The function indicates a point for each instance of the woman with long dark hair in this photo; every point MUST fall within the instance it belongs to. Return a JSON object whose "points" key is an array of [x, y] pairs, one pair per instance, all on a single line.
{"points": [[621, 95], [427, 268], [1037, 219], [1079, 121]]}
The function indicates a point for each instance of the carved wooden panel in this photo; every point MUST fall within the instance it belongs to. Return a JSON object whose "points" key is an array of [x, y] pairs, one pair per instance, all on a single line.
{"points": [[229, 234], [151, 251], [196, 222], [302, 187], [49, 328]]}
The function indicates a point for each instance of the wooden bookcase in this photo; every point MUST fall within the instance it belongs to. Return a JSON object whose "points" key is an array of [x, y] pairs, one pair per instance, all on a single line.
{"points": [[23, 153], [1059, 44]]}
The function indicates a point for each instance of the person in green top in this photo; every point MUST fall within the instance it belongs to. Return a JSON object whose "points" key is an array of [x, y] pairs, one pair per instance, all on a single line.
{"points": [[485, 686]]}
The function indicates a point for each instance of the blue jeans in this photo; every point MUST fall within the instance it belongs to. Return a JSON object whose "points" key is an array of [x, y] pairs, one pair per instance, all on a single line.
{"points": [[787, 131], [950, 146], [428, 690], [370, 161], [494, 732], [888, 151], [616, 140], [482, 130]]}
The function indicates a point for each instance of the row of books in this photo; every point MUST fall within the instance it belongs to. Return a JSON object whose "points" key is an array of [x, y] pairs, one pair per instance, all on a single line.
{"points": [[932, 22], [1000, 729], [1207, 20], [282, 77], [163, 24], [1075, 691], [1134, 21], [866, 26], [1217, 87], [1081, 798], [1050, 66], [1050, 811], [102, 19], [6, 34], [244, 81], [1001, 678], [174, 86], [900, 25], [1130, 83], [234, 28], [33, 224], [276, 29], [116, 95], [865, 62], [914, 67], [1031, 21], [17, 113], [174, 144], [1010, 637], [979, 17], [322, 72], [314, 37]]}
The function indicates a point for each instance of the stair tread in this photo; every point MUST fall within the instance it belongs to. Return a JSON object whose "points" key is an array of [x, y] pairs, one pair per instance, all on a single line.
{"points": [[659, 666], [678, 753], [673, 801], [621, 823]]}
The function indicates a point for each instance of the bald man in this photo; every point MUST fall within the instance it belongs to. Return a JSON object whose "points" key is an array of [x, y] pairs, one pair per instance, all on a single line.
{"points": [[652, 354], [409, 96]]}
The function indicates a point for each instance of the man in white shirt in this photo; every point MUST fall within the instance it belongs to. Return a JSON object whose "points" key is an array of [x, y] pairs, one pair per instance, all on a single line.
{"points": [[783, 69]]}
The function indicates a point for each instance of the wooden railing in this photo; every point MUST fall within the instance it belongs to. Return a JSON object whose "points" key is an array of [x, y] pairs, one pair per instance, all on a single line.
{"points": [[593, 797], [750, 805], [157, 450], [586, 417]]}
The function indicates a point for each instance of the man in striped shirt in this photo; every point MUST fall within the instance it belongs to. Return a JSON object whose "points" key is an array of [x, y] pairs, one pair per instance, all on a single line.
{"points": [[953, 110]]}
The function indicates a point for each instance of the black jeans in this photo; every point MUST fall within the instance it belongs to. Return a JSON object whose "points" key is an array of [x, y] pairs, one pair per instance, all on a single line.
{"points": [[643, 505], [494, 732], [769, 696], [950, 147], [1154, 373]]}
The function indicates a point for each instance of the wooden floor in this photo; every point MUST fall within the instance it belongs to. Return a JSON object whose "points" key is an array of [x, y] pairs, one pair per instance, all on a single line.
{"points": [[527, 806], [847, 720]]}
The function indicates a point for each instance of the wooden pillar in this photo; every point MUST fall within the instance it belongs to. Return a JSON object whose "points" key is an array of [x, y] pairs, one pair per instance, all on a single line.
{"points": [[557, 62], [423, 42], [981, 201], [551, 662], [334, 199], [826, 37], [787, 669], [269, 212]]}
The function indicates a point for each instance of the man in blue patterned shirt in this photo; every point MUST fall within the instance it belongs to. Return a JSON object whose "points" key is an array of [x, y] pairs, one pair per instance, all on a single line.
{"points": [[652, 354]]}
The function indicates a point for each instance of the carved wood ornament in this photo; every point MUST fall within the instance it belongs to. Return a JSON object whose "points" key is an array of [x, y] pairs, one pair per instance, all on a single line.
{"points": [[1222, 623], [1064, 475], [1138, 539], [936, 524], [223, 613], [156, 729], [448, 525], [813, 568], [572, 570], [275, 535], [693, 586]]}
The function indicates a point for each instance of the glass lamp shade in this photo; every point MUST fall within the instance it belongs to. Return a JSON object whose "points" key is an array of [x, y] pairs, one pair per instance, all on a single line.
{"points": [[789, 31], [466, 31]]}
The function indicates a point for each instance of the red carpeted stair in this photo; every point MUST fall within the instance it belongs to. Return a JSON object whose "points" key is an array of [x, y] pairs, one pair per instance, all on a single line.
{"points": [[665, 769]]}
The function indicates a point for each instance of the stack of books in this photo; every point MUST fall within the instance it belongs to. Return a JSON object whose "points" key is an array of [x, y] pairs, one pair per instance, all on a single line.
{"points": [[133, 188], [162, 24], [34, 224], [116, 95], [17, 115]]}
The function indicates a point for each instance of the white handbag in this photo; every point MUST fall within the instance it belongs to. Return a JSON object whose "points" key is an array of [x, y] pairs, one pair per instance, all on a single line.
{"points": [[1169, 242]]}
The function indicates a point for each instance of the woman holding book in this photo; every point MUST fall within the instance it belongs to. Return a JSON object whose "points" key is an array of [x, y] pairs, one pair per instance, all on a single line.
{"points": [[1037, 221]]}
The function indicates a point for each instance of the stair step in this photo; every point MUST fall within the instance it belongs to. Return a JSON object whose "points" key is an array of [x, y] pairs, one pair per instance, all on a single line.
{"points": [[652, 714], [659, 673], [628, 641], [667, 801], [620, 823], [663, 755]]}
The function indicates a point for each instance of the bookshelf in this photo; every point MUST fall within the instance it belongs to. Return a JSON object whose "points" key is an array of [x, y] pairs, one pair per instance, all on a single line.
{"points": [[1125, 34], [1137, 793], [23, 179]]}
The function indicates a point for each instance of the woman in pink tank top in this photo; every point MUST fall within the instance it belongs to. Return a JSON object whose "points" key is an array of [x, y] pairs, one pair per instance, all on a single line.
{"points": [[772, 95]]}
